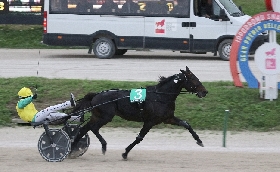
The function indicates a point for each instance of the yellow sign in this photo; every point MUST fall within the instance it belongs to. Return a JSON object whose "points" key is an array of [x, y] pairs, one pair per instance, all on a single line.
{"points": [[2, 6]]}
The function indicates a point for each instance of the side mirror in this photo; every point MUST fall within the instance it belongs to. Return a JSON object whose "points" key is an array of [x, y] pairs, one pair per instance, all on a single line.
{"points": [[240, 8], [223, 15]]}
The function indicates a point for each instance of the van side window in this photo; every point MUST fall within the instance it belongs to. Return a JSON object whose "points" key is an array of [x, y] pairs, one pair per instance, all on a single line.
{"points": [[157, 7], [182, 7], [84, 6], [206, 8], [59, 6], [130, 7], [216, 9], [161, 7], [109, 6]]}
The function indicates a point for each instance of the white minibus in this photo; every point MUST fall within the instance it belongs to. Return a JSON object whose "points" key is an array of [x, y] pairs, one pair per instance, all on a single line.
{"points": [[112, 27]]}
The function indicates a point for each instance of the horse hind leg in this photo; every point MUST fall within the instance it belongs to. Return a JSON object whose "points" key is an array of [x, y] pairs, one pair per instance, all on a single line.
{"points": [[146, 128], [98, 123], [102, 141], [83, 130], [179, 122]]}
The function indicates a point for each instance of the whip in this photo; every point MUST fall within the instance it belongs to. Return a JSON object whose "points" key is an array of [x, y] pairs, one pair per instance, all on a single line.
{"points": [[36, 86]]}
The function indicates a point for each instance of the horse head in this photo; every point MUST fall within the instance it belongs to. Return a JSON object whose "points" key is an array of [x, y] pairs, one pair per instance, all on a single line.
{"points": [[192, 84]]}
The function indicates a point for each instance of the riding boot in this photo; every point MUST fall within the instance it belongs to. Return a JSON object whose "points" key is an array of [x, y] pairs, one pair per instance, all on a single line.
{"points": [[72, 100]]}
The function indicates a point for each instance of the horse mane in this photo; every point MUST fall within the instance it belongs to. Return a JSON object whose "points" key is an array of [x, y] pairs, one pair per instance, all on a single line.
{"points": [[163, 80], [84, 102]]}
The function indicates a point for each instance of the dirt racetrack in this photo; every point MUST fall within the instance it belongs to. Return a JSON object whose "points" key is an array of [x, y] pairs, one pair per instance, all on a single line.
{"points": [[162, 150]]}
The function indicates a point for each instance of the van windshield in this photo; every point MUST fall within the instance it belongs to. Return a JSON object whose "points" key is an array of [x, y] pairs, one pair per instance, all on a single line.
{"points": [[232, 9]]}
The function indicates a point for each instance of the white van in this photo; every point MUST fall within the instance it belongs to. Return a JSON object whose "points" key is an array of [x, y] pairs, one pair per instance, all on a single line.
{"points": [[111, 28]]}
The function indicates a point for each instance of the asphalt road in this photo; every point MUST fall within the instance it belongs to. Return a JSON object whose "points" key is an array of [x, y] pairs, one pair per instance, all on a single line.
{"points": [[133, 66]]}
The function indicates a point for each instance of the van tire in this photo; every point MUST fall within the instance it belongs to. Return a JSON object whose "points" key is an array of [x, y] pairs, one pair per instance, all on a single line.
{"points": [[104, 48], [120, 52], [224, 49]]}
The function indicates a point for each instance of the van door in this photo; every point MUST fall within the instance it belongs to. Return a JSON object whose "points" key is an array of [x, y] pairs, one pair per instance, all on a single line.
{"points": [[208, 28], [168, 29]]}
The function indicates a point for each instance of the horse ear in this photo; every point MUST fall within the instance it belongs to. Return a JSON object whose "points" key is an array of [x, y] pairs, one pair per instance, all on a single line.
{"points": [[182, 70], [187, 68]]}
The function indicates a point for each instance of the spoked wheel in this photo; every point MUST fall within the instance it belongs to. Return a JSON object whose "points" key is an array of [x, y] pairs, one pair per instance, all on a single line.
{"points": [[72, 130], [56, 148]]}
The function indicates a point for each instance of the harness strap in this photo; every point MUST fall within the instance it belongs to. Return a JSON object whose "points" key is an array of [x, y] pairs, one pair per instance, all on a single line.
{"points": [[141, 107]]}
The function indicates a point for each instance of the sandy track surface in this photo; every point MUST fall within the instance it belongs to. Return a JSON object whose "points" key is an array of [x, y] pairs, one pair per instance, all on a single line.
{"points": [[161, 150], [133, 66]]}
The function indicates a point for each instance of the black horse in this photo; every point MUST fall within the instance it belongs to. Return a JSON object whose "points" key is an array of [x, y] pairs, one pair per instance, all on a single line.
{"points": [[158, 107]]}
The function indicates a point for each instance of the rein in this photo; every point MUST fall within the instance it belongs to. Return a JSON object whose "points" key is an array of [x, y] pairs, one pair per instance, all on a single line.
{"points": [[92, 107], [79, 113], [181, 92]]}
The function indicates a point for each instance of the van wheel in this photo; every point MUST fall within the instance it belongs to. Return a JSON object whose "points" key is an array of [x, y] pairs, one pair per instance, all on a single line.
{"points": [[104, 48], [120, 52], [224, 49]]}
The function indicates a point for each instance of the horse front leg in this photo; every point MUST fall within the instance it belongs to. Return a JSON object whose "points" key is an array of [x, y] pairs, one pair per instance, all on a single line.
{"points": [[145, 129], [179, 122]]}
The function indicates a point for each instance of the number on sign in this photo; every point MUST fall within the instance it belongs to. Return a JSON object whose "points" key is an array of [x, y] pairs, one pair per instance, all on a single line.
{"points": [[138, 94]]}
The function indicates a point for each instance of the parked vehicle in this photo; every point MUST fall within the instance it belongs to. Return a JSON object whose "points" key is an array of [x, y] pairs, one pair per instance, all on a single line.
{"points": [[113, 32]]}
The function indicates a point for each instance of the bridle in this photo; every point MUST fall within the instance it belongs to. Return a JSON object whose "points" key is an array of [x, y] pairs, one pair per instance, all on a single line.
{"points": [[177, 79], [193, 88]]}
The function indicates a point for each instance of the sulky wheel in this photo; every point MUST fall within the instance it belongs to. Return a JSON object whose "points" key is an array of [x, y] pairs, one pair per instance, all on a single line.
{"points": [[56, 148], [72, 130]]}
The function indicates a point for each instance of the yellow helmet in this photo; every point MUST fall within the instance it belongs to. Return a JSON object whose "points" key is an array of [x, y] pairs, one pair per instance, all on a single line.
{"points": [[24, 92]]}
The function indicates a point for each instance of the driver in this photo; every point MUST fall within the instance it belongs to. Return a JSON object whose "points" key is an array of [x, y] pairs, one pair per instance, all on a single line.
{"points": [[28, 113]]}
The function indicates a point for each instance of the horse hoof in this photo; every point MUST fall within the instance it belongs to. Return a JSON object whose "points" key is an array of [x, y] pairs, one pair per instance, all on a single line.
{"points": [[103, 151], [200, 144], [104, 148], [124, 156], [73, 154]]}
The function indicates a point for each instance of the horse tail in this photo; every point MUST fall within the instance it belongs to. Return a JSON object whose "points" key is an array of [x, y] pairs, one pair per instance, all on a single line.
{"points": [[84, 102]]}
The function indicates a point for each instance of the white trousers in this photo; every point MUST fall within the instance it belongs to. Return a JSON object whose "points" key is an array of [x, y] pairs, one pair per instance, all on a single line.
{"points": [[51, 113]]}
